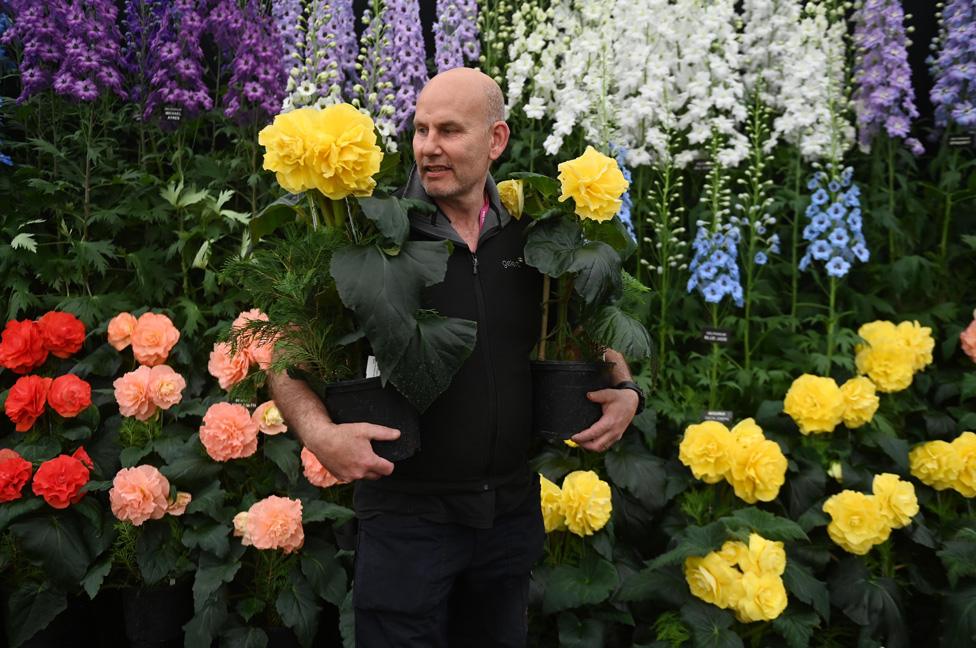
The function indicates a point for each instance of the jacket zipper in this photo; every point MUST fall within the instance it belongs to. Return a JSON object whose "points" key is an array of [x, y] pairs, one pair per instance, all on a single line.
{"points": [[486, 352]]}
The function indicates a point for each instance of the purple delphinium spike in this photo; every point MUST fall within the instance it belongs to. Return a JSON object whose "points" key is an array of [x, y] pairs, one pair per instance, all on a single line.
{"points": [[92, 51], [373, 91], [331, 50], [407, 57], [257, 84], [140, 21], [39, 26], [176, 62], [456, 34], [344, 20], [954, 69], [4, 25], [225, 22], [884, 96]]}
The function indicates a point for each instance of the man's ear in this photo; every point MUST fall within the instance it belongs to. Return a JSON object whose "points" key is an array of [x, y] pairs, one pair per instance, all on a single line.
{"points": [[499, 139]]}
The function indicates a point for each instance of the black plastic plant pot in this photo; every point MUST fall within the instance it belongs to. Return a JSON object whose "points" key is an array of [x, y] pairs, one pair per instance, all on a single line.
{"points": [[366, 400], [560, 406]]}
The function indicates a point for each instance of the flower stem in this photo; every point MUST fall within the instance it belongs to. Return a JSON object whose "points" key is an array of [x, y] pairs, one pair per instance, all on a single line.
{"points": [[713, 370], [892, 253], [831, 321], [795, 245]]}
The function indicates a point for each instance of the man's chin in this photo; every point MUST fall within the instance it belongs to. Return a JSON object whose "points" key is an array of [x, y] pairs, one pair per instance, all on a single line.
{"points": [[439, 189]]}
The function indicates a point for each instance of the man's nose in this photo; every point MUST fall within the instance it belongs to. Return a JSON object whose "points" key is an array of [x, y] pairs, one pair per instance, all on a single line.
{"points": [[432, 145]]}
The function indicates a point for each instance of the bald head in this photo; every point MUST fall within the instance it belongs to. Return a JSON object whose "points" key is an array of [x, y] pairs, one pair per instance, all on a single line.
{"points": [[480, 90]]}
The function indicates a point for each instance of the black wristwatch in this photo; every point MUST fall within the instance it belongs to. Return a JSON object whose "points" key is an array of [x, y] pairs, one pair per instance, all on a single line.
{"points": [[630, 384]]}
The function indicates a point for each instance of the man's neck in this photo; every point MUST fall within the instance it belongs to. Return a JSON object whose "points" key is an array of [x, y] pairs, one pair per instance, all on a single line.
{"points": [[464, 214]]}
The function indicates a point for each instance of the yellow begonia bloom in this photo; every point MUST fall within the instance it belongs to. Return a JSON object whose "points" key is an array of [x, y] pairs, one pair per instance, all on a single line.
{"points": [[860, 401], [896, 498], [877, 331], [552, 505], [965, 448], [713, 580], [746, 432], [758, 471], [586, 502], [764, 556], [888, 363], [918, 339], [856, 521], [512, 195], [707, 449], [735, 553], [763, 597], [936, 463], [333, 150], [815, 403], [595, 183]]}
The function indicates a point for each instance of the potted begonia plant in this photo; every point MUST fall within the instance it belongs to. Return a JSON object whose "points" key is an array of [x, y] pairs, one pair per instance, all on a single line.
{"points": [[343, 282], [589, 303]]}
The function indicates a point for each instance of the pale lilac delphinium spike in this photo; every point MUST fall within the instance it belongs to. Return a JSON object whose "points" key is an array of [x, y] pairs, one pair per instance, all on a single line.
{"points": [[456, 34], [954, 68], [883, 97], [407, 57]]}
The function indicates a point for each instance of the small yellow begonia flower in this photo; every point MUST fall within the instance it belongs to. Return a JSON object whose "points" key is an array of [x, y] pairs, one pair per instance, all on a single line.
{"points": [[918, 340], [735, 553], [552, 505], [856, 521], [860, 401], [965, 447], [746, 432], [758, 471], [814, 403], [586, 502], [595, 183], [763, 597], [512, 195], [707, 449], [713, 580], [896, 498], [288, 142], [764, 556], [936, 463], [836, 470]]}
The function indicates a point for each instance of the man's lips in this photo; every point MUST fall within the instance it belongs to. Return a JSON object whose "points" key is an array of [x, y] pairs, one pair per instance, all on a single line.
{"points": [[435, 169]]}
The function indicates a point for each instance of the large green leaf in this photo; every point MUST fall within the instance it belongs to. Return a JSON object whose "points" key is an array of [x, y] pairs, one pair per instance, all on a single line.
{"points": [[212, 572], [298, 609], [545, 185], [212, 537], [796, 626], [710, 626], [384, 293], [697, 541], [597, 269], [576, 633], [34, 606], [666, 585], [569, 587], [318, 510], [438, 348], [208, 499], [208, 619], [959, 555], [614, 328], [769, 526], [155, 553], [96, 576], [10, 511], [245, 637], [284, 452], [633, 467], [324, 573], [389, 216], [191, 466], [802, 584], [869, 601], [57, 542], [612, 232], [282, 211], [551, 246], [959, 618]]}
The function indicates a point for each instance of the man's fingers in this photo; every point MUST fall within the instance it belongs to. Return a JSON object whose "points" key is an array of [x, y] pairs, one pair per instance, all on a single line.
{"points": [[381, 433], [602, 395]]}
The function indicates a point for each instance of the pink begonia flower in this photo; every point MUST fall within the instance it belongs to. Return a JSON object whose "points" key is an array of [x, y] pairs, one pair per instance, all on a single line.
{"points": [[967, 339], [178, 506], [133, 396], [120, 330], [139, 494], [228, 432], [165, 386], [228, 369], [316, 473], [269, 418], [272, 523], [153, 337]]}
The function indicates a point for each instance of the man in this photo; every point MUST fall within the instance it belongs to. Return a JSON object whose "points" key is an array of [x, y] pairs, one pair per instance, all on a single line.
{"points": [[448, 537]]}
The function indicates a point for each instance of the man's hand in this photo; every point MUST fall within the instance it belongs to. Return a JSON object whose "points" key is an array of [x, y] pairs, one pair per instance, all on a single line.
{"points": [[619, 406], [345, 450]]}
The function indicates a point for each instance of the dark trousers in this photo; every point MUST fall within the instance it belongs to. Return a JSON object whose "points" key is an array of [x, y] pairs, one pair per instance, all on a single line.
{"points": [[432, 585]]}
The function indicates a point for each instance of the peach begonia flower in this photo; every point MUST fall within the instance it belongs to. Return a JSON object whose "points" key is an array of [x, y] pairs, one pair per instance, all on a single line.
{"points": [[228, 432], [165, 386], [269, 418], [120, 330], [133, 396], [316, 473], [228, 369], [257, 352], [139, 494], [967, 339], [153, 337], [272, 523], [178, 506]]}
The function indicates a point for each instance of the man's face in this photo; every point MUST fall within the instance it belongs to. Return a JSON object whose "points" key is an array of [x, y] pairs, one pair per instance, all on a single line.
{"points": [[452, 141]]}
